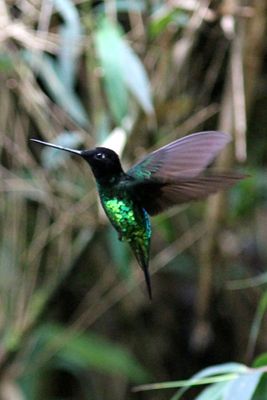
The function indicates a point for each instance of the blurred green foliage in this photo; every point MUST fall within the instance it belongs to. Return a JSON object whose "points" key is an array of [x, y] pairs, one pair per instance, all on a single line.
{"points": [[132, 75]]}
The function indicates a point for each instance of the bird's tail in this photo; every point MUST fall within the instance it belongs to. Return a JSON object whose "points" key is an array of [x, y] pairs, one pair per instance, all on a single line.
{"points": [[142, 259], [148, 282]]}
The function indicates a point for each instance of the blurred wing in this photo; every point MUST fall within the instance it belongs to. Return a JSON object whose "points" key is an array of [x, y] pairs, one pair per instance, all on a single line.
{"points": [[157, 197], [183, 158]]}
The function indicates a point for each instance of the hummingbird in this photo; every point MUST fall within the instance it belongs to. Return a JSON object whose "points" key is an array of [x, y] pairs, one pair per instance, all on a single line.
{"points": [[174, 174]]}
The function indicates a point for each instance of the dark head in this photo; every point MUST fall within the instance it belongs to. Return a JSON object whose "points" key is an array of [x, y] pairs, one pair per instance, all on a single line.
{"points": [[105, 163]]}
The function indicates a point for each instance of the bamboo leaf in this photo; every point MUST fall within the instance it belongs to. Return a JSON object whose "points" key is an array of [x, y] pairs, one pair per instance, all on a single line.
{"points": [[261, 390], [47, 69], [136, 78], [243, 387], [216, 371], [70, 39], [109, 53], [213, 392], [122, 71], [210, 375], [255, 328], [92, 350], [261, 361]]}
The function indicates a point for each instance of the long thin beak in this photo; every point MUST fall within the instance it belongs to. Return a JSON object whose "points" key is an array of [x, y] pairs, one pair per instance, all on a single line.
{"points": [[55, 146]]}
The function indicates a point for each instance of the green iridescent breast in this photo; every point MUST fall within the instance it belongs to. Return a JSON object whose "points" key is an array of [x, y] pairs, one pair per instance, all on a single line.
{"points": [[130, 220]]}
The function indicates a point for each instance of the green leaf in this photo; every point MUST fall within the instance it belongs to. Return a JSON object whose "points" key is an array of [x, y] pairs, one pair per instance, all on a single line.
{"points": [[216, 371], [261, 390], [93, 351], [135, 77], [249, 194], [107, 43], [122, 71], [243, 387], [65, 97], [70, 39], [260, 361], [165, 16], [210, 375], [213, 392], [255, 328], [6, 62]]}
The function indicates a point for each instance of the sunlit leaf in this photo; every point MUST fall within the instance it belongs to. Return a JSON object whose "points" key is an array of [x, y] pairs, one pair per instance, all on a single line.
{"points": [[107, 42], [213, 392], [243, 387], [217, 371], [136, 78], [70, 41], [211, 375], [122, 70]]}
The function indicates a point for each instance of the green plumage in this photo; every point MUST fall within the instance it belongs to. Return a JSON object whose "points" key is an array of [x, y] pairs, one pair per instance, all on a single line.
{"points": [[170, 175], [130, 220]]}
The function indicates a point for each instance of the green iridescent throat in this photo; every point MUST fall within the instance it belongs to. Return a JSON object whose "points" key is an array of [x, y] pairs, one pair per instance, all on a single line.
{"points": [[129, 219]]}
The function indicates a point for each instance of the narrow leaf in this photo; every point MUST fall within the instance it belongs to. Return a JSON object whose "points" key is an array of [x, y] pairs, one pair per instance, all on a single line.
{"points": [[70, 41], [122, 69], [107, 43], [213, 392], [261, 361], [261, 310], [185, 384], [136, 78], [243, 387], [261, 390], [215, 371], [92, 350], [47, 69]]}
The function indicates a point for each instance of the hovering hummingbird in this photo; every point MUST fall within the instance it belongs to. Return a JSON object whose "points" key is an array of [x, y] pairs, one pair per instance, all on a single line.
{"points": [[168, 176]]}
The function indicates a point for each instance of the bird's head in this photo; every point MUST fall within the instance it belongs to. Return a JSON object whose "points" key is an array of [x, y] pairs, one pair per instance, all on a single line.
{"points": [[105, 163]]}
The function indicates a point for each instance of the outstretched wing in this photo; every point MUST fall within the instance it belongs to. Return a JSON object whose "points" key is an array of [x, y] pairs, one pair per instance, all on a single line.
{"points": [[183, 158], [174, 173], [156, 197]]}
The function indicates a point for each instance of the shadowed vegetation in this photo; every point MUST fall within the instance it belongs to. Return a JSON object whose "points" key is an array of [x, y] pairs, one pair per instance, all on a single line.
{"points": [[75, 322]]}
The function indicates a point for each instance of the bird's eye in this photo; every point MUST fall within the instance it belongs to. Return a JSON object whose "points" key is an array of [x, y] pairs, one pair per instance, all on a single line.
{"points": [[100, 156]]}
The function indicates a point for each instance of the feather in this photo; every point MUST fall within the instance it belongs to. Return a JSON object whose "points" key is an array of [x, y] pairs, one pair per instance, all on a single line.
{"points": [[156, 197], [184, 158]]}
